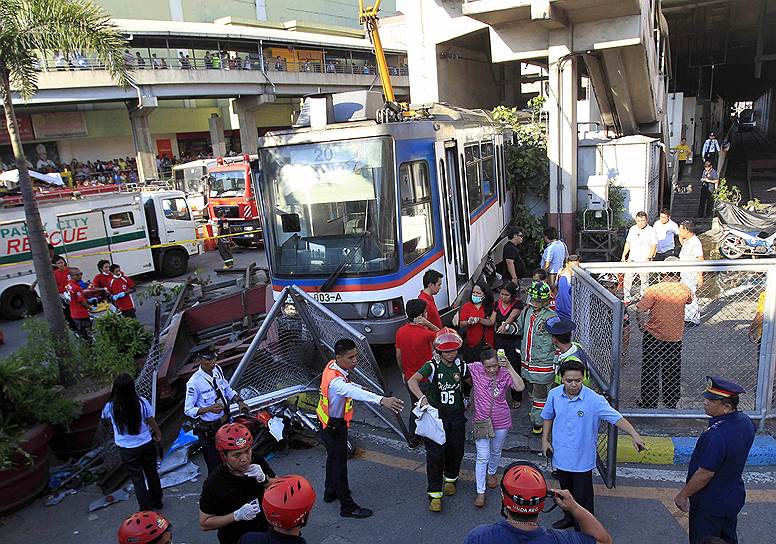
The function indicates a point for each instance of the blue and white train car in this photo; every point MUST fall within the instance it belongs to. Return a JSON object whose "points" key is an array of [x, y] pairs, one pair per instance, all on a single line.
{"points": [[356, 212]]}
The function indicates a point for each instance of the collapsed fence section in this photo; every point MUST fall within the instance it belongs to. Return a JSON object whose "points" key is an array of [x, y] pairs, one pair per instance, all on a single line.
{"points": [[290, 350]]}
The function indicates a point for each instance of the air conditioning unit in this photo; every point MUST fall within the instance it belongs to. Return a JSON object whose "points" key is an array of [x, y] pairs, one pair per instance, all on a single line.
{"points": [[597, 192]]}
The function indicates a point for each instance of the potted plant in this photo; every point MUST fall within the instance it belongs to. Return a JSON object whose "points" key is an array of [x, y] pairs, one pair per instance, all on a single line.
{"points": [[31, 401], [118, 342]]}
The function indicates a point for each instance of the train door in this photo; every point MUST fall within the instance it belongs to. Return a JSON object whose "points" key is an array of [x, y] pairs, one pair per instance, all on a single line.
{"points": [[453, 218]]}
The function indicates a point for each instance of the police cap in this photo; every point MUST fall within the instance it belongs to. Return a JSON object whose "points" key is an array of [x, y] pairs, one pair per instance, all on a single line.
{"points": [[719, 388], [558, 325]]}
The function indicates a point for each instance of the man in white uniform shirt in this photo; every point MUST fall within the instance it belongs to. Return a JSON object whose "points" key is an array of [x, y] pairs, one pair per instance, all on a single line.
{"points": [[692, 250], [640, 247], [666, 229], [208, 396]]}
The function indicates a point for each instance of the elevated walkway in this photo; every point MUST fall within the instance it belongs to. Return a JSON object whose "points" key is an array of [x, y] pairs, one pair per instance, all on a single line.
{"points": [[88, 86]]}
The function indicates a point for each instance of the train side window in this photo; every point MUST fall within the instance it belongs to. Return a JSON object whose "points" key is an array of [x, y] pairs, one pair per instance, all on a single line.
{"points": [[417, 219], [488, 173], [448, 213], [473, 181]]}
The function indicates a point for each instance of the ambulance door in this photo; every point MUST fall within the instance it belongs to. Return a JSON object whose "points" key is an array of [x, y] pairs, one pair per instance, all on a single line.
{"points": [[127, 239], [84, 240]]}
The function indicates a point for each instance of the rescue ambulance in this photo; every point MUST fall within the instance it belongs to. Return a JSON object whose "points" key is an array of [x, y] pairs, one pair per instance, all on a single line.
{"points": [[85, 225]]}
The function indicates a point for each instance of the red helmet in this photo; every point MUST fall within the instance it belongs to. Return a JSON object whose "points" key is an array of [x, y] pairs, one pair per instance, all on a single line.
{"points": [[447, 340], [523, 488], [233, 436], [287, 502], [142, 527]]}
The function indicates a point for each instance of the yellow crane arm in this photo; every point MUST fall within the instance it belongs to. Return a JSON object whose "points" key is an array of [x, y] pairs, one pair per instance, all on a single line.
{"points": [[368, 18]]}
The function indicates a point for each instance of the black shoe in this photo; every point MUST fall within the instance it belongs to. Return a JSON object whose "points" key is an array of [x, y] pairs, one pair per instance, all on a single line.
{"points": [[329, 498], [157, 506], [563, 523], [357, 512]]}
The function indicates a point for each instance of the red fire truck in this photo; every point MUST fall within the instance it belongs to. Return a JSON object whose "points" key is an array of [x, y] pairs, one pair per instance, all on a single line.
{"points": [[230, 192]]}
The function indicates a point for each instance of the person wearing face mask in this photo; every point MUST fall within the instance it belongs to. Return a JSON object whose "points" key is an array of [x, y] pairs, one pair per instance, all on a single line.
{"points": [[103, 277], [476, 319], [570, 421], [490, 381], [232, 494], [120, 287]]}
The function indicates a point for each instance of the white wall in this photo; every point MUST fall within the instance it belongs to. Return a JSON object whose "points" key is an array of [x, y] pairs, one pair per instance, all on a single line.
{"points": [[675, 115]]}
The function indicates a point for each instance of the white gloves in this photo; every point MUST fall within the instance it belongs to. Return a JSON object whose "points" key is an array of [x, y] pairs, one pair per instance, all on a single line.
{"points": [[247, 511], [254, 471]]}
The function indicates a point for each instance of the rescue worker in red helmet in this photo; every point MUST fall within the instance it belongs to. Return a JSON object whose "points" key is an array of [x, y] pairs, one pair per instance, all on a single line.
{"points": [[523, 492], [145, 528], [231, 496], [286, 504], [446, 373]]}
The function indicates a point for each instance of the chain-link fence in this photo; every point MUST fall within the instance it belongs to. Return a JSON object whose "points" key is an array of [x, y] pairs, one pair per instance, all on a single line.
{"points": [[599, 317], [287, 356], [685, 321]]}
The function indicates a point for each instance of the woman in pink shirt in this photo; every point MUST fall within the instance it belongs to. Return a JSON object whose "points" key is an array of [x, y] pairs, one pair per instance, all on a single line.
{"points": [[490, 380]]}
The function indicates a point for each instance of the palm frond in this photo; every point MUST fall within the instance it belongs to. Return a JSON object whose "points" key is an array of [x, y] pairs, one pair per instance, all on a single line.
{"points": [[69, 26]]}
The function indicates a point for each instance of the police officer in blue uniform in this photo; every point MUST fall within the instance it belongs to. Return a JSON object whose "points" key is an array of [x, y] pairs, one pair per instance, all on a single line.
{"points": [[714, 493]]}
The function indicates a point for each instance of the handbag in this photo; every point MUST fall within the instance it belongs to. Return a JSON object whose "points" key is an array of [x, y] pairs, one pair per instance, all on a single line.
{"points": [[429, 423], [484, 428]]}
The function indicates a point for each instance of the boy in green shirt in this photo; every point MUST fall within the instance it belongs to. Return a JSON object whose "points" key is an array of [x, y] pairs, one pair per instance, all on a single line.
{"points": [[445, 373]]}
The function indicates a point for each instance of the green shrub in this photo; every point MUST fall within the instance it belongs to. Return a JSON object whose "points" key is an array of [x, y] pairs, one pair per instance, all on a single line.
{"points": [[118, 341], [29, 390]]}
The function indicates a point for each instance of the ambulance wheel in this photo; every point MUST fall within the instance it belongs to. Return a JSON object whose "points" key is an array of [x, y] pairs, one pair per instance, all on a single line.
{"points": [[17, 302], [175, 263]]}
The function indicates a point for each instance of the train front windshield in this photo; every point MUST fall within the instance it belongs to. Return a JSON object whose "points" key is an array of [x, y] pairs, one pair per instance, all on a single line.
{"points": [[331, 207]]}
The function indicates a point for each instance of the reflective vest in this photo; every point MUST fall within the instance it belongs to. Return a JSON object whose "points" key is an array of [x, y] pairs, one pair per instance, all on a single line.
{"points": [[330, 373]]}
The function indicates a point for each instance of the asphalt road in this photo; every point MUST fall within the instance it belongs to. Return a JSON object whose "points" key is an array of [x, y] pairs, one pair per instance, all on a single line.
{"points": [[203, 265], [390, 479]]}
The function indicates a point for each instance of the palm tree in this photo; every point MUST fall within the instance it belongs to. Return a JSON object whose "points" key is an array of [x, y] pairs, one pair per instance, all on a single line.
{"points": [[27, 28]]}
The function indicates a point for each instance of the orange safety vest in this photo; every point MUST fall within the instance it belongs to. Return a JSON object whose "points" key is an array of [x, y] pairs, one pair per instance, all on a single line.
{"points": [[330, 373]]}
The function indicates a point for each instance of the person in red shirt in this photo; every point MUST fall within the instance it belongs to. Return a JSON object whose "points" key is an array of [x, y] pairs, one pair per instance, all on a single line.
{"points": [[414, 349], [61, 273], [477, 318], [79, 307], [432, 283], [103, 277], [120, 287]]}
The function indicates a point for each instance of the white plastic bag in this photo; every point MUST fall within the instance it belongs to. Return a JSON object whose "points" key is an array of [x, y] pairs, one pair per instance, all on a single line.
{"points": [[429, 424]]}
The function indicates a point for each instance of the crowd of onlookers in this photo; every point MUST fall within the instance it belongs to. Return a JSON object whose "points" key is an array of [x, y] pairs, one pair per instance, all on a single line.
{"points": [[219, 60], [116, 170]]}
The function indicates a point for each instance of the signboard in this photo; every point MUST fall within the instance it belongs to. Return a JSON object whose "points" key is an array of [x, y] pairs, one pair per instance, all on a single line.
{"points": [[63, 124], [164, 148], [25, 130]]}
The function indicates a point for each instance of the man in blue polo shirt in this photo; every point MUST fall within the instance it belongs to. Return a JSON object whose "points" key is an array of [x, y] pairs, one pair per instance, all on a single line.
{"points": [[570, 434], [714, 493]]}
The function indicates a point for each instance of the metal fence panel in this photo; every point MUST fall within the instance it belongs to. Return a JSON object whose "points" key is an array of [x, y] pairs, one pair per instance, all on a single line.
{"points": [[291, 348], [599, 318], [689, 320]]}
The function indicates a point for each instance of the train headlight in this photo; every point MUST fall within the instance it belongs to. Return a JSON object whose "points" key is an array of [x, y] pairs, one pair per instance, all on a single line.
{"points": [[377, 309]]}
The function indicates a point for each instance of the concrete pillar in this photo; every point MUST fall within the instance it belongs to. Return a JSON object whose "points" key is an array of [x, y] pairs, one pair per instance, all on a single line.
{"points": [[145, 150], [246, 109], [562, 135], [217, 140]]}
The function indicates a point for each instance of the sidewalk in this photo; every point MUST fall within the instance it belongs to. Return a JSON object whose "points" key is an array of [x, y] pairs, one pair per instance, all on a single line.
{"points": [[669, 442]]}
